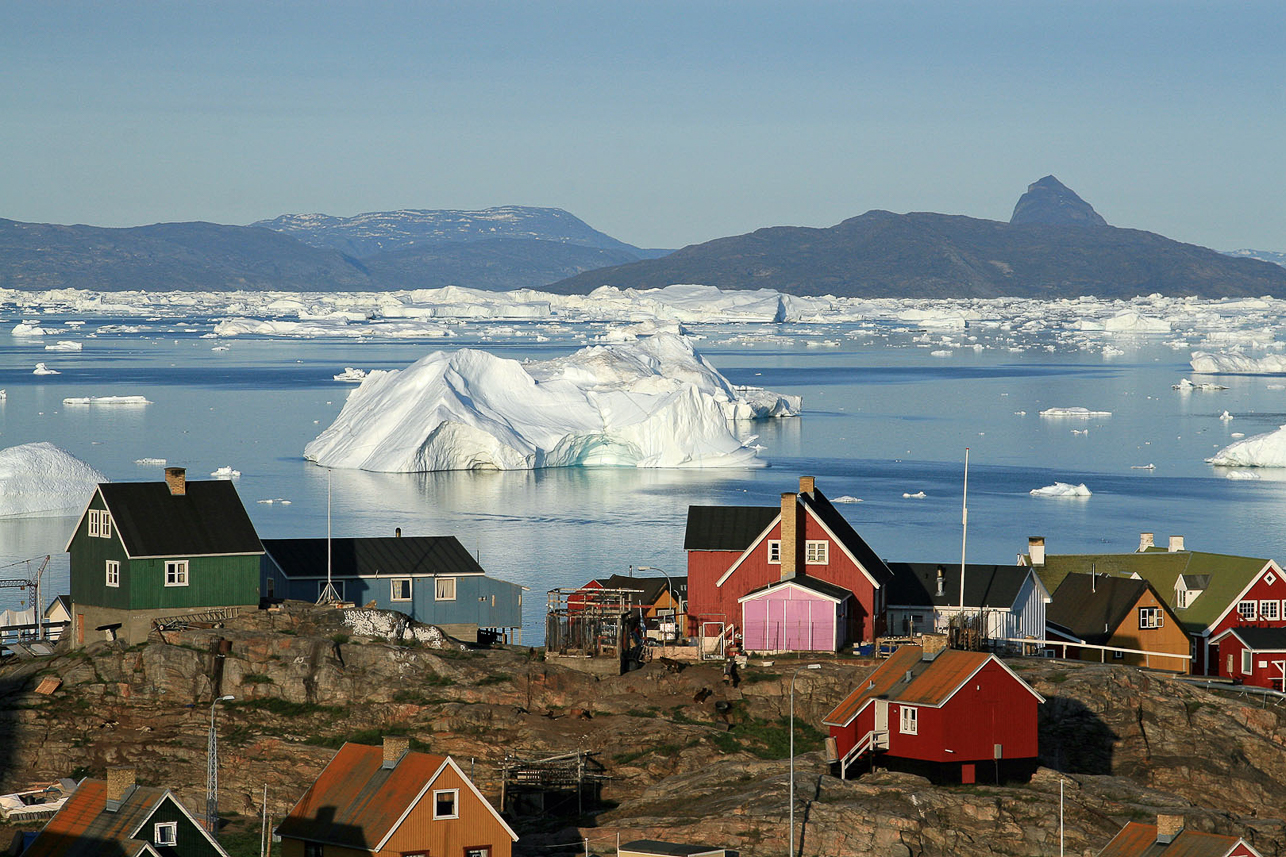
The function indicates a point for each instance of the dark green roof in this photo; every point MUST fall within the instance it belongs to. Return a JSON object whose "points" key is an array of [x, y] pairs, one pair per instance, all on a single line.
{"points": [[206, 520], [387, 556], [915, 584]]}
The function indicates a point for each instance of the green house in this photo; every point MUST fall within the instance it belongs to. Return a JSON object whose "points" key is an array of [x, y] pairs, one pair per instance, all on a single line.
{"points": [[155, 552]]}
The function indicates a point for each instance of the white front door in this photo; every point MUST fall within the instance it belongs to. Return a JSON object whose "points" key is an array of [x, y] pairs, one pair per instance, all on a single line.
{"points": [[881, 715]]}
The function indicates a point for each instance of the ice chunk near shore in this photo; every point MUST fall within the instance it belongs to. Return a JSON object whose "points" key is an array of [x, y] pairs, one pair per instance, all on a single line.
{"points": [[653, 403], [350, 374], [106, 400], [1080, 413], [1262, 450], [39, 479], [1062, 489], [42, 369], [1228, 362]]}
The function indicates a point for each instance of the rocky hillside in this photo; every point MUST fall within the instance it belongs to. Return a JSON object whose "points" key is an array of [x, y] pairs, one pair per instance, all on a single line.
{"points": [[688, 758]]}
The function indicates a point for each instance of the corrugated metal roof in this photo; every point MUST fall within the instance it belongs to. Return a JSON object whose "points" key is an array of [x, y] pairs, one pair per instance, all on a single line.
{"points": [[388, 556], [355, 801], [206, 520], [1139, 840], [726, 528], [915, 584], [84, 827]]}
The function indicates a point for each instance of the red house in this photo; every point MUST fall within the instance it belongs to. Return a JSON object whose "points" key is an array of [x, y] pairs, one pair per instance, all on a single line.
{"points": [[1168, 836], [1254, 656], [949, 715], [734, 551]]}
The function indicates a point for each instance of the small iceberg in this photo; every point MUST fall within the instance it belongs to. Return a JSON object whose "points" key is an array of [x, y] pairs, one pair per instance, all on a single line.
{"points": [[1225, 416], [1079, 413], [1143, 467], [1262, 450], [1186, 386], [1240, 474], [150, 462], [42, 369], [351, 375], [918, 495], [1062, 489], [226, 473], [65, 345], [846, 499], [279, 501], [106, 400]]}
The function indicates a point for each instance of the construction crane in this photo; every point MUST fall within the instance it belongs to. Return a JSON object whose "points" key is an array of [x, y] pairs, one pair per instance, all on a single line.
{"points": [[30, 582]]}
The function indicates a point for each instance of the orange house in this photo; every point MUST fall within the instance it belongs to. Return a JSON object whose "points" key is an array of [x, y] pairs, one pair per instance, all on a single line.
{"points": [[1121, 613], [389, 802]]}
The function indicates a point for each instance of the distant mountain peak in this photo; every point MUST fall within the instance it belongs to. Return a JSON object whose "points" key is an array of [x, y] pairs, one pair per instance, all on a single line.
{"points": [[1052, 203]]}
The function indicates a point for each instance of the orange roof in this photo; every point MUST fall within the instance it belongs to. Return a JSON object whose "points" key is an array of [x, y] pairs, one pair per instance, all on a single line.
{"points": [[84, 826], [932, 682], [1140, 840]]}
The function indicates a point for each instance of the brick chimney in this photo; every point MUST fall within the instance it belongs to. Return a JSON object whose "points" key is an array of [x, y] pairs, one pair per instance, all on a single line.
{"points": [[1176, 544], [789, 535], [176, 480], [807, 484], [1036, 550], [120, 783], [1146, 540], [1168, 827], [395, 747]]}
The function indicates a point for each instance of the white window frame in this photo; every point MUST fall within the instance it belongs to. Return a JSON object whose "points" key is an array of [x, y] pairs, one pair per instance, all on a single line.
{"points": [[1247, 610], [1151, 618], [440, 591], [478, 851], [455, 803], [1247, 662], [817, 552], [909, 720], [180, 570], [105, 524], [113, 572], [397, 583], [95, 523], [1268, 610], [774, 551], [165, 834]]}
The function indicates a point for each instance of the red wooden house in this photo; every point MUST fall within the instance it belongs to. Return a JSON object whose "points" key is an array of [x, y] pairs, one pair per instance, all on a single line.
{"points": [[950, 715], [1254, 656], [803, 566], [1168, 837]]}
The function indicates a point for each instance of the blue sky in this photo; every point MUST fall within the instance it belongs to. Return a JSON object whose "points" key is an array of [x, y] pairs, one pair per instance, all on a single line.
{"points": [[661, 123]]}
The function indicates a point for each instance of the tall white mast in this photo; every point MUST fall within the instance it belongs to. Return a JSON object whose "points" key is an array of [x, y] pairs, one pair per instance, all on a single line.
{"points": [[964, 536]]}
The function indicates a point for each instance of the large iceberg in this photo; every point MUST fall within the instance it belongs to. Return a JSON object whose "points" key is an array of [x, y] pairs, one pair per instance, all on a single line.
{"points": [[1262, 450], [651, 403], [1230, 362], [41, 479]]}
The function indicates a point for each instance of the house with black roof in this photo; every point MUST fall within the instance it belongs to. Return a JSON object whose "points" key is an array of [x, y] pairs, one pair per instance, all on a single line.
{"points": [[432, 579], [1254, 656], [792, 577], [924, 597], [1125, 615], [148, 552]]}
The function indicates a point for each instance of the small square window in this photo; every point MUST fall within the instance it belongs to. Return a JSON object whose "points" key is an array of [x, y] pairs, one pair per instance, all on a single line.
{"points": [[1118, 656], [314, 849], [401, 588], [444, 803], [166, 834], [113, 573], [1268, 610], [176, 573], [816, 553], [484, 851], [444, 589], [774, 552], [1270, 578], [1150, 618], [1246, 610], [910, 724]]}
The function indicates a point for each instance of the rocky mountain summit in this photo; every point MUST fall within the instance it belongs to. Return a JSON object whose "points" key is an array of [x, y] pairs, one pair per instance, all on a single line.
{"points": [[687, 758], [1051, 202]]}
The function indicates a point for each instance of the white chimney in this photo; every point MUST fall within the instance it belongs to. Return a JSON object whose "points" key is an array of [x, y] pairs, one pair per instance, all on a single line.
{"points": [[1176, 544], [1036, 550], [1146, 540]]}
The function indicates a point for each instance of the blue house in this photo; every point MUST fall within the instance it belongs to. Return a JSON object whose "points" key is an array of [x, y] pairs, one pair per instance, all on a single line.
{"points": [[432, 579]]}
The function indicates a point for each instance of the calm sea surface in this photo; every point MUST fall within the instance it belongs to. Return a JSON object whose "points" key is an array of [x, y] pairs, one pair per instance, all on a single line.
{"points": [[883, 417]]}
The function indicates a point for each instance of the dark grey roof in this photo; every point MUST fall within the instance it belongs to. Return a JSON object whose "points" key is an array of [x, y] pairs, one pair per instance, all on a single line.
{"points": [[1262, 639], [208, 519], [667, 849], [387, 556], [650, 587], [1196, 581], [726, 528], [915, 584], [844, 531], [822, 586], [1093, 606]]}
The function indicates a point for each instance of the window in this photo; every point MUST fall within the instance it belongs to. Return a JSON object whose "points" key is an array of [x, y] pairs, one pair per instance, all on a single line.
{"points": [[1268, 611], [337, 585], [314, 849], [94, 523], [1118, 656], [484, 851], [401, 588], [176, 573], [1246, 610], [1185, 597], [113, 573], [910, 721], [815, 553], [1247, 661], [774, 552], [444, 803], [166, 833], [105, 525], [444, 589], [1150, 618]]}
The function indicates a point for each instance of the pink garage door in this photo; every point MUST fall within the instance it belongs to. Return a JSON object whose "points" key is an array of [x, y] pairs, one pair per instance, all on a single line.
{"points": [[798, 624]]}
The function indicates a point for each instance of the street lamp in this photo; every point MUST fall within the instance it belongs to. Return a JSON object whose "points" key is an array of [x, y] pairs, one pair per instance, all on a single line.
{"points": [[793, 676], [212, 773], [673, 596]]}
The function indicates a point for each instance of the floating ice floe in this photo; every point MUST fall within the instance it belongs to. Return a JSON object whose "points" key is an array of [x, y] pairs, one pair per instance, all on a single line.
{"points": [[846, 499], [106, 400], [150, 462], [1225, 416], [918, 495], [1080, 413], [1237, 434], [1186, 386], [654, 403], [65, 345], [226, 473], [1062, 489], [3, 395], [940, 353], [279, 501], [38, 479], [350, 374], [42, 369], [1143, 467], [1240, 474], [219, 348], [1129, 321], [1229, 362], [31, 328]]}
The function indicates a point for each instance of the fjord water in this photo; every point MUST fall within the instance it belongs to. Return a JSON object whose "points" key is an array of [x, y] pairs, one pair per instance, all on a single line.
{"points": [[883, 417]]}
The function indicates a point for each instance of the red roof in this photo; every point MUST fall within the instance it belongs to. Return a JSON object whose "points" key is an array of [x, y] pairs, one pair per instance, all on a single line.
{"points": [[1140, 840]]}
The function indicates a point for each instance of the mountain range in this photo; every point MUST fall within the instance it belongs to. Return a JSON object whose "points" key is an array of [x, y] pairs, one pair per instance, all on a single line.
{"points": [[1055, 245]]}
